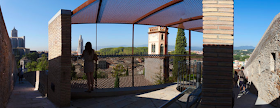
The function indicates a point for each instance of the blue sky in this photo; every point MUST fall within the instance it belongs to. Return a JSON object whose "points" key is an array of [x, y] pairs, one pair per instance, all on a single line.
{"points": [[30, 17]]}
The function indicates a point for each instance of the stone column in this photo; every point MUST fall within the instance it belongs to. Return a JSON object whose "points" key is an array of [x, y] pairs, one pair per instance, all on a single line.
{"points": [[59, 88], [218, 53]]}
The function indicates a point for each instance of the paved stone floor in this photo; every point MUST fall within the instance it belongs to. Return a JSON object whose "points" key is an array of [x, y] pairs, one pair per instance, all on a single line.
{"points": [[24, 96], [152, 99], [249, 100]]}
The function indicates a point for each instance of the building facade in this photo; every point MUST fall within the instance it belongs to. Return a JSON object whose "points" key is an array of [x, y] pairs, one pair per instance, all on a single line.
{"points": [[156, 40], [17, 41], [156, 45], [80, 46], [18, 44]]}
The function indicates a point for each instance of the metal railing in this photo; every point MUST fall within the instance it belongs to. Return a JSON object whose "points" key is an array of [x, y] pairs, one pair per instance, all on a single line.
{"points": [[137, 74], [188, 80], [189, 74]]}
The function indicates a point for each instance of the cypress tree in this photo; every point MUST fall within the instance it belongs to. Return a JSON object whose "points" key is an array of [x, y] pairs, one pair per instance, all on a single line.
{"points": [[126, 73], [117, 81], [179, 49]]}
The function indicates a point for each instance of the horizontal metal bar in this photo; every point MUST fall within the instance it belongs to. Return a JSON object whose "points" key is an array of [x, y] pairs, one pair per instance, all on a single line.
{"points": [[148, 55]]}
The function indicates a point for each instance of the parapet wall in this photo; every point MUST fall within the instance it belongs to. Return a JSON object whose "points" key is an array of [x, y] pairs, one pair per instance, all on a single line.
{"points": [[262, 67], [8, 69], [39, 79]]}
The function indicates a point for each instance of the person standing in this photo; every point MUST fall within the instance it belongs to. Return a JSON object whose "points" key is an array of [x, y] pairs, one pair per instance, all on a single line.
{"points": [[20, 74], [235, 79], [241, 79], [89, 56]]}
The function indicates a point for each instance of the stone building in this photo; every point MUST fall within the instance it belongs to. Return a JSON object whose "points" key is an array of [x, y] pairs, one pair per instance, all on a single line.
{"points": [[156, 45], [156, 41], [18, 44], [23, 63], [102, 64], [17, 41], [80, 46]]}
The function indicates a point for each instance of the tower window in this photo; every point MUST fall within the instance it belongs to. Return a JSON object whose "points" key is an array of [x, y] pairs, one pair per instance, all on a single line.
{"points": [[161, 49], [153, 48], [161, 36]]}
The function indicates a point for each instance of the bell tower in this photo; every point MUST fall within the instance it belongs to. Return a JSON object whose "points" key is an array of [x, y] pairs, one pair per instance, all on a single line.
{"points": [[156, 40]]}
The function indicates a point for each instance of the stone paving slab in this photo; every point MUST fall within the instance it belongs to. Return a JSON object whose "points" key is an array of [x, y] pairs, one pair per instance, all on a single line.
{"points": [[24, 96], [153, 99]]}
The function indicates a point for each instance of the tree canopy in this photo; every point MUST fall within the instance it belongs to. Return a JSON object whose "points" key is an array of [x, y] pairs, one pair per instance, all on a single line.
{"points": [[179, 49]]}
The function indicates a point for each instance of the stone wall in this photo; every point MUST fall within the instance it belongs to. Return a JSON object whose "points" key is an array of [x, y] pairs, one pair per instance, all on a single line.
{"points": [[218, 53], [262, 67], [39, 79], [43, 83], [59, 75], [153, 68], [30, 77], [8, 69]]}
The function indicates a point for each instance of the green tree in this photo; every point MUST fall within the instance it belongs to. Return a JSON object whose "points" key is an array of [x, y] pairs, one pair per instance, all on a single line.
{"points": [[73, 73], [179, 49], [117, 82], [31, 66], [118, 70], [126, 73], [43, 63], [32, 56]]}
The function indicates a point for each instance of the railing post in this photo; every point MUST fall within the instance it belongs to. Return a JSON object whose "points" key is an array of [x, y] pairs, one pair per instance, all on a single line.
{"points": [[198, 74], [132, 62]]}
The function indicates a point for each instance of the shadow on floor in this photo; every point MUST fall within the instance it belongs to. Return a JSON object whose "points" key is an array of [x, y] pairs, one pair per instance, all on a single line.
{"points": [[153, 99], [249, 99]]}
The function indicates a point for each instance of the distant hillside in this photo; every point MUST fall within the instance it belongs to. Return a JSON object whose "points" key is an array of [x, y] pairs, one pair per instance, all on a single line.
{"points": [[123, 50], [243, 47], [243, 52]]}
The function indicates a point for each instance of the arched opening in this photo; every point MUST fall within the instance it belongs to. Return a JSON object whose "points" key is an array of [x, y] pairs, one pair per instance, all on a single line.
{"points": [[161, 49]]}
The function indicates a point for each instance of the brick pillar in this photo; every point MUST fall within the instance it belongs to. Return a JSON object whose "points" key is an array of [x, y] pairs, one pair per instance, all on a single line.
{"points": [[59, 88], [218, 53]]}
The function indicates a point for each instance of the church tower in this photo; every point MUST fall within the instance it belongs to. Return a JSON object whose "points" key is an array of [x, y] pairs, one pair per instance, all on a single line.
{"points": [[14, 33], [80, 46], [156, 40]]}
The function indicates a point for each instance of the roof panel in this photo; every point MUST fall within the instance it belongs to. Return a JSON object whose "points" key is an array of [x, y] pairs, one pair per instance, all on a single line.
{"points": [[87, 14], [191, 24], [183, 10], [128, 11]]}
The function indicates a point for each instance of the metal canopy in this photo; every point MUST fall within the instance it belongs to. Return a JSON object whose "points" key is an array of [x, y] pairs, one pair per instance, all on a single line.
{"points": [[168, 13]]}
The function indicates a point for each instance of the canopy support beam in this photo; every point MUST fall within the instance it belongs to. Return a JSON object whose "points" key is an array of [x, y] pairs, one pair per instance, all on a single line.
{"points": [[85, 4], [196, 28], [97, 16], [132, 62], [190, 44], [184, 20]]}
